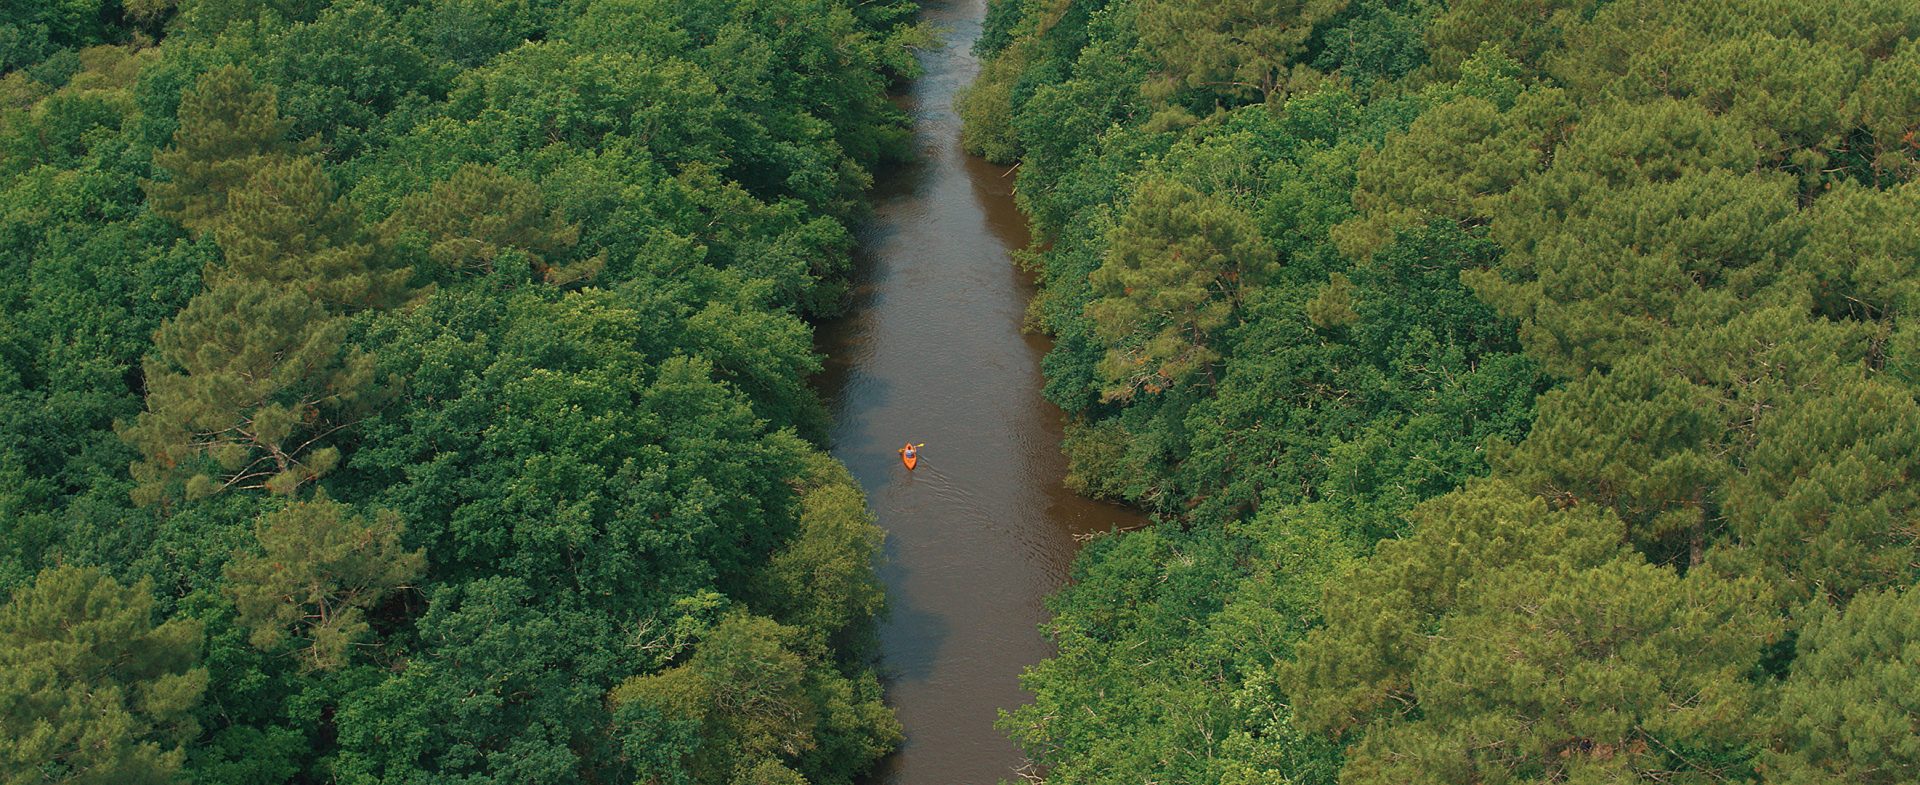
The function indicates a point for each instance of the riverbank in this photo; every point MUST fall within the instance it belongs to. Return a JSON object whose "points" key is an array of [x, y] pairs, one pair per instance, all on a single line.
{"points": [[932, 351]]}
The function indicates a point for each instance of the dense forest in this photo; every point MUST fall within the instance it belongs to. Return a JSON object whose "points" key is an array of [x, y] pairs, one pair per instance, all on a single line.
{"points": [[1524, 388], [417, 391]]}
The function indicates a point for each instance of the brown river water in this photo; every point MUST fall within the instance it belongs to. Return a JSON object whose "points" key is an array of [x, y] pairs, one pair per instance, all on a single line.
{"points": [[931, 351]]}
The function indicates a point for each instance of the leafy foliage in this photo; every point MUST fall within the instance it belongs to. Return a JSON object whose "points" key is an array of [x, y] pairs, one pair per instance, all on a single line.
{"points": [[754, 703], [1583, 362], [422, 372]]}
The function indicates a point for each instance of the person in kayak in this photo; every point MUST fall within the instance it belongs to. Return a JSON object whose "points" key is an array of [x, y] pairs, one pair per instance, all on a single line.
{"points": [[910, 453]]}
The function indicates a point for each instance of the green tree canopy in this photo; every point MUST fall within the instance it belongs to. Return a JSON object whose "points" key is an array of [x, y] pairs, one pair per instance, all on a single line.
{"points": [[1236, 47], [1647, 264], [318, 571], [470, 219], [230, 125], [1506, 641], [1847, 713], [287, 227], [1177, 266], [245, 389], [91, 689], [761, 704]]}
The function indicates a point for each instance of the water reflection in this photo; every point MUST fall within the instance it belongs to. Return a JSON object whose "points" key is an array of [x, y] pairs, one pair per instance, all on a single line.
{"points": [[932, 352]]}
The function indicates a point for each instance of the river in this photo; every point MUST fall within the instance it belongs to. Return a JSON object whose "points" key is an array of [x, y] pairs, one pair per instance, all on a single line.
{"points": [[931, 351]]}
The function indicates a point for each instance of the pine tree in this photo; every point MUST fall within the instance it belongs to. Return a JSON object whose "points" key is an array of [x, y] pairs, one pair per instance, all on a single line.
{"points": [[318, 571], [1332, 306], [91, 690], [1634, 441], [245, 386], [1233, 47], [286, 226], [1508, 642], [1456, 163], [1827, 505], [1888, 106], [1848, 711], [230, 126], [1176, 269], [471, 219]]}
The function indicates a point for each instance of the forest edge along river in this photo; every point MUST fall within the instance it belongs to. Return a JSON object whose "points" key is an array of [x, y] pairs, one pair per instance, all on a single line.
{"points": [[932, 351]]}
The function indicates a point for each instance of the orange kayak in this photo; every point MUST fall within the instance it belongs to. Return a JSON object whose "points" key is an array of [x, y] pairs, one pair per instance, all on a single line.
{"points": [[910, 460]]}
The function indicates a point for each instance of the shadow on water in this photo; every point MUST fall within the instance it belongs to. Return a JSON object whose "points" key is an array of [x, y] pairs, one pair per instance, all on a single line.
{"points": [[931, 351]]}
